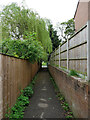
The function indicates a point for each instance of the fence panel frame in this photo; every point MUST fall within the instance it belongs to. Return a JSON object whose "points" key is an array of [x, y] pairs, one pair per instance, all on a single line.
{"points": [[65, 49]]}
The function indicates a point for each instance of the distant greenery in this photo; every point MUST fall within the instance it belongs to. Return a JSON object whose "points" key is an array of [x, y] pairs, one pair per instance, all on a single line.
{"points": [[69, 28], [17, 24], [66, 29], [17, 111], [44, 63], [54, 37]]}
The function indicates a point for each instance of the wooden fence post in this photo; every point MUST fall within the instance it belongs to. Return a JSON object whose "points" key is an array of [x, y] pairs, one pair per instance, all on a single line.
{"points": [[1, 88], [88, 50], [59, 57], [67, 54]]}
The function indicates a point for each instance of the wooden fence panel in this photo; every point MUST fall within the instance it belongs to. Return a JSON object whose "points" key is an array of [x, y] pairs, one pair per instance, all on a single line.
{"points": [[17, 74], [64, 47], [77, 53]]}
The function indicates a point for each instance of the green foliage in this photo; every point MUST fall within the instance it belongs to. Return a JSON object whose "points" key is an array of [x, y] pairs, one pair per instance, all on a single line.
{"points": [[54, 37], [23, 99], [17, 111], [30, 48], [69, 116], [18, 21], [66, 29], [69, 27], [73, 73], [44, 63], [28, 92], [65, 106]]}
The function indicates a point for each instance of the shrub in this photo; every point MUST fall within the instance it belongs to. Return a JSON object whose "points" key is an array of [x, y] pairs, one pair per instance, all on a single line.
{"points": [[28, 91], [24, 99], [29, 49]]}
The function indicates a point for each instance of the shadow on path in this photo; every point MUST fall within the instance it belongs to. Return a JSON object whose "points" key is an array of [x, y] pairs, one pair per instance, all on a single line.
{"points": [[44, 103]]}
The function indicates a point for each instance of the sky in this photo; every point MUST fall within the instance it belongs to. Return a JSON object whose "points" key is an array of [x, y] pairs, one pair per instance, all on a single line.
{"points": [[55, 10]]}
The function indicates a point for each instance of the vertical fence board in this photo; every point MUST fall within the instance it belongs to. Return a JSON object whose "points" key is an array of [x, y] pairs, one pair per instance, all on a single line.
{"points": [[15, 74]]}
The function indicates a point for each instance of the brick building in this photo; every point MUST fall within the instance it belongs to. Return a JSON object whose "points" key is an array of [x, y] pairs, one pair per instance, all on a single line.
{"points": [[82, 14]]}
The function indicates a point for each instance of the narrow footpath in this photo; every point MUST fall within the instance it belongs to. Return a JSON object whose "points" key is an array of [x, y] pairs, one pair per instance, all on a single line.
{"points": [[44, 103]]}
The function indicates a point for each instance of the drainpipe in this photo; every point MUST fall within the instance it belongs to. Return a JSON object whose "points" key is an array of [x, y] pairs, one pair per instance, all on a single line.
{"points": [[88, 50]]}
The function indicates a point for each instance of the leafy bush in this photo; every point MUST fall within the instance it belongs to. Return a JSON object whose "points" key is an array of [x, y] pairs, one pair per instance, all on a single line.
{"points": [[29, 48], [17, 115], [24, 99], [28, 92], [17, 21]]}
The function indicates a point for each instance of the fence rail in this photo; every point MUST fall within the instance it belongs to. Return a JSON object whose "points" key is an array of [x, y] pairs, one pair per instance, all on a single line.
{"points": [[72, 54]]}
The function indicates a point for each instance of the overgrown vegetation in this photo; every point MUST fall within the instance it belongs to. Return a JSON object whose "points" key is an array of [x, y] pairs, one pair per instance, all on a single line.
{"points": [[18, 26], [64, 104], [17, 111], [29, 49], [73, 73]]}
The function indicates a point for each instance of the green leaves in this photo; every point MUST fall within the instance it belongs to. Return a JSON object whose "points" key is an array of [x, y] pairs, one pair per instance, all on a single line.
{"points": [[29, 49], [69, 27], [54, 37], [73, 73], [28, 92], [18, 22], [17, 111]]}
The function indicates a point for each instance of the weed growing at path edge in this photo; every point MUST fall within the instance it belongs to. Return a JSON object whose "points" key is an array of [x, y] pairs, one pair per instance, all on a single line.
{"points": [[17, 111], [64, 104], [73, 73]]}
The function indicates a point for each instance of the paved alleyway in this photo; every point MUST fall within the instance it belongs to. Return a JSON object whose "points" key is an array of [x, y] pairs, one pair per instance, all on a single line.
{"points": [[44, 103]]}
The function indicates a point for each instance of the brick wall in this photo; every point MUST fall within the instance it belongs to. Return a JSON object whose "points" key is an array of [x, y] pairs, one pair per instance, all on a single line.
{"points": [[75, 91], [81, 16]]}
